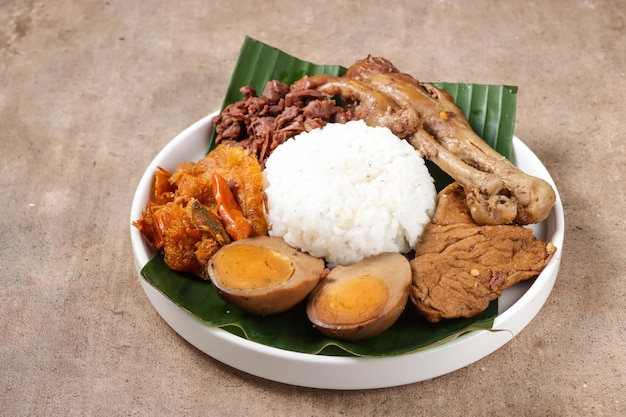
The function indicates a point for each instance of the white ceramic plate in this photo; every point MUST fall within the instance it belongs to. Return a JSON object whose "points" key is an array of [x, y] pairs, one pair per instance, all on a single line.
{"points": [[517, 306]]}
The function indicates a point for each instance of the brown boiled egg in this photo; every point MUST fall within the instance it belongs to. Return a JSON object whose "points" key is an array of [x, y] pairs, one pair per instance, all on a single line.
{"points": [[362, 300], [263, 275]]}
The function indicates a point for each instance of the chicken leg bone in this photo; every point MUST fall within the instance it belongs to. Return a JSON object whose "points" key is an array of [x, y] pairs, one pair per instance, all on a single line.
{"points": [[497, 191]]}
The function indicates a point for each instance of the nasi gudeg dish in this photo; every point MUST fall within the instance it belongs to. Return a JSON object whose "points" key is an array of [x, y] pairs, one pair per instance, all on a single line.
{"points": [[305, 200]]}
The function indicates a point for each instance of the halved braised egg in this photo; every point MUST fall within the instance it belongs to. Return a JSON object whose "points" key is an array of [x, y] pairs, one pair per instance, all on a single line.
{"points": [[362, 300], [263, 275]]}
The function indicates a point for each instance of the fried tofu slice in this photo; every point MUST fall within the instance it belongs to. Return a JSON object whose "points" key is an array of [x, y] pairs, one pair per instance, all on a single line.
{"points": [[460, 267]]}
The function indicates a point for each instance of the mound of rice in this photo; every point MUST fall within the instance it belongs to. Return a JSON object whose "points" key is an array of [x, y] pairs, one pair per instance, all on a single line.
{"points": [[348, 191]]}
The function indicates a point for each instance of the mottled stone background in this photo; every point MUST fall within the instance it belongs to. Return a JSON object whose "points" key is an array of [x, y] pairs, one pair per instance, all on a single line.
{"points": [[91, 90]]}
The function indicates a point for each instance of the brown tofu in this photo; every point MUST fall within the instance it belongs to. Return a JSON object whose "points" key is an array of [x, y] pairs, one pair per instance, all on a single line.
{"points": [[459, 266]]}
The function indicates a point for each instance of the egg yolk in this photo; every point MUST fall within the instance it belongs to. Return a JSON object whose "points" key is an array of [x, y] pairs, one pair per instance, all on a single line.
{"points": [[352, 300], [248, 267]]}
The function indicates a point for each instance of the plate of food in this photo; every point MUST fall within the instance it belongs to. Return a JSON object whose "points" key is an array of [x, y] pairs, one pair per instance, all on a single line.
{"points": [[349, 248]]}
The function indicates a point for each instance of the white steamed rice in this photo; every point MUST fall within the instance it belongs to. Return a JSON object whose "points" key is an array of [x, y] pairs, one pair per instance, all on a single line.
{"points": [[348, 191]]}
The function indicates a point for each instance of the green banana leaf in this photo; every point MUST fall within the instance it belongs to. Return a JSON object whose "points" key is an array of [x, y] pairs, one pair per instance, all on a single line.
{"points": [[490, 110]]}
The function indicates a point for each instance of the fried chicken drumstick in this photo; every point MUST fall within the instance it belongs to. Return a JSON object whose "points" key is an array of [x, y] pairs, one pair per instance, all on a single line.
{"points": [[497, 191]]}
